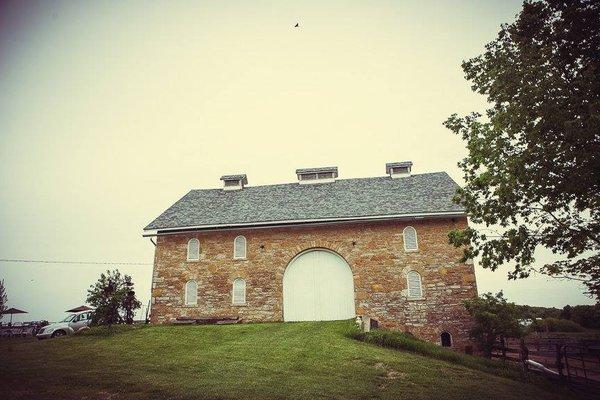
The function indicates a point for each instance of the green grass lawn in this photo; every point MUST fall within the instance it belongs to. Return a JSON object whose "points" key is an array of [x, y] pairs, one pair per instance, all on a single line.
{"points": [[262, 361]]}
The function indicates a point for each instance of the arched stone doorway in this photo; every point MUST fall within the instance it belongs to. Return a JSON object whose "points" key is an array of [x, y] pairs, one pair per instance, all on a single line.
{"points": [[318, 286]]}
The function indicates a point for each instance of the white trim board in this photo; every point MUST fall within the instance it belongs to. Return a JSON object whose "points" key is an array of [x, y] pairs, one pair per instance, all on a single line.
{"points": [[325, 221]]}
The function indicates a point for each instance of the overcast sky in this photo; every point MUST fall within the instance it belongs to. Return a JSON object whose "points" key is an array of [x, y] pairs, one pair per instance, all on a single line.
{"points": [[111, 111]]}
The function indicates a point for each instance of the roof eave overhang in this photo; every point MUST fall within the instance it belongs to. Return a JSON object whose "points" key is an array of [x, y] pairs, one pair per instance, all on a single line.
{"points": [[312, 222]]}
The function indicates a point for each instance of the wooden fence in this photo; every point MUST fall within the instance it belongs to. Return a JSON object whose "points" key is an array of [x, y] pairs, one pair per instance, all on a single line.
{"points": [[575, 362]]}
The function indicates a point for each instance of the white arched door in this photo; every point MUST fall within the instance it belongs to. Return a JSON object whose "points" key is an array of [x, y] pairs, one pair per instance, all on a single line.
{"points": [[318, 286]]}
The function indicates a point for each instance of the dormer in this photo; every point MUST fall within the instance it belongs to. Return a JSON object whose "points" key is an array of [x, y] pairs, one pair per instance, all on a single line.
{"points": [[316, 175], [398, 169], [234, 182]]}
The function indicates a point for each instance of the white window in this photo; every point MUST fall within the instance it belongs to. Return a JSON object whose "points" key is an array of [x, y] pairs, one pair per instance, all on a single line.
{"points": [[193, 250], [239, 291], [239, 247], [191, 293], [410, 239], [414, 285]]}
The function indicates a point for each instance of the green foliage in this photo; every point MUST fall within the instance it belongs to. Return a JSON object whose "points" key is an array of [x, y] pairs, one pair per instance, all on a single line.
{"points": [[3, 298], [533, 312], [567, 312], [586, 316], [114, 299], [494, 318], [555, 325], [407, 342], [533, 164]]}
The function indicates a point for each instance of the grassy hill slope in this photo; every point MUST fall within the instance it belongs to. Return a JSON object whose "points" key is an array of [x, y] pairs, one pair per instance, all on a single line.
{"points": [[266, 361]]}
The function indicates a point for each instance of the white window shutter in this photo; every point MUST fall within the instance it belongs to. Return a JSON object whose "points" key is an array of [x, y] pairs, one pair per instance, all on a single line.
{"points": [[193, 250], [239, 291], [414, 285], [191, 292], [410, 238], [239, 247]]}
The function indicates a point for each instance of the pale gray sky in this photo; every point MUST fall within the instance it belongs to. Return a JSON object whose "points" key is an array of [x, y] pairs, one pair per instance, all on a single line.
{"points": [[111, 111]]}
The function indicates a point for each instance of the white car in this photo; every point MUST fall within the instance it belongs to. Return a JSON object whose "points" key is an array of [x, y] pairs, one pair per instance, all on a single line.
{"points": [[67, 326]]}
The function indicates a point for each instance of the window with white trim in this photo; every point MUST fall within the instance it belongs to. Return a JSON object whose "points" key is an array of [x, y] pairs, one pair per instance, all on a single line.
{"points": [[239, 247], [193, 250], [191, 293], [239, 291], [413, 279], [410, 239]]}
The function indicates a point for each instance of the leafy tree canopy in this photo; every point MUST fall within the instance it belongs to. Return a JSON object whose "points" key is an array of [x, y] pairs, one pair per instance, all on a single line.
{"points": [[114, 299], [533, 166], [493, 318], [3, 298]]}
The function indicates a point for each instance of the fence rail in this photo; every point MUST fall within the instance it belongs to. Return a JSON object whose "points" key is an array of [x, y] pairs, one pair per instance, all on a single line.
{"points": [[575, 362]]}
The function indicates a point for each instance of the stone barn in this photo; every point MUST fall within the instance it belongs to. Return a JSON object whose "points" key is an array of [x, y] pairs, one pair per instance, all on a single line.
{"points": [[319, 249]]}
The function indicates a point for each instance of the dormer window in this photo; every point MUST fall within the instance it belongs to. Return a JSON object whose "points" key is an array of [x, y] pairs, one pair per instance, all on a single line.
{"points": [[317, 175], [398, 169], [233, 182]]}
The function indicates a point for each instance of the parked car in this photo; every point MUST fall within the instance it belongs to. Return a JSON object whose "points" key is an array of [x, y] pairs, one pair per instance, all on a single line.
{"points": [[67, 326]]}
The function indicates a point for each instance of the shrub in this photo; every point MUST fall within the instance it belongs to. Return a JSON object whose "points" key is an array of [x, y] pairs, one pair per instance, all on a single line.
{"points": [[555, 325]]}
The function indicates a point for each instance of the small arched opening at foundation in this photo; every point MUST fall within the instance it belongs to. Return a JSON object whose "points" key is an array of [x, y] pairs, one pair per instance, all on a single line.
{"points": [[446, 339]]}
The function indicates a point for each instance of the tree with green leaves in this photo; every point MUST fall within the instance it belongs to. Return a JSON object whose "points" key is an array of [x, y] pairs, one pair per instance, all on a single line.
{"points": [[587, 316], [114, 299], [129, 302], [493, 318], [533, 165], [566, 312], [3, 298]]}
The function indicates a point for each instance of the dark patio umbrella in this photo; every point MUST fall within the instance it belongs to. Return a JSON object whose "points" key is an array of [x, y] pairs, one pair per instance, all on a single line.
{"points": [[80, 308], [12, 311]]}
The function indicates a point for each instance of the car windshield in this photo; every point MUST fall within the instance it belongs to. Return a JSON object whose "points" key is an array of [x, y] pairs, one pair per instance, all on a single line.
{"points": [[69, 318]]}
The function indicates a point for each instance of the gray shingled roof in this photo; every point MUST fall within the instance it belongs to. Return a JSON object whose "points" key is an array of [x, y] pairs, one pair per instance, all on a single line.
{"points": [[345, 198]]}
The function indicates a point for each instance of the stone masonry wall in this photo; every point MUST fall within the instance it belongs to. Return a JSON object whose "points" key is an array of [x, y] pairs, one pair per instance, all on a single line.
{"points": [[374, 251]]}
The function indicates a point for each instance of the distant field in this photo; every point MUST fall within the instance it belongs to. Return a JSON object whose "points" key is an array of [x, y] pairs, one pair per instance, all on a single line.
{"points": [[262, 361]]}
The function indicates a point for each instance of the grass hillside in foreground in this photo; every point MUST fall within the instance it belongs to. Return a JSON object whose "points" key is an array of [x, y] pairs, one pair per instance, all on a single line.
{"points": [[263, 361]]}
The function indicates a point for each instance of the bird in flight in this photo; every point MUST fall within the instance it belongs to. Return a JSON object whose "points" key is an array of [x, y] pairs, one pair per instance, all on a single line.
{"points": [[297, 25]]}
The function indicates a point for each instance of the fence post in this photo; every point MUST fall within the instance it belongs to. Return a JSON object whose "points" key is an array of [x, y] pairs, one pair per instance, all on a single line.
{"points": [[582, 362], [559, 363], [524, 356], [567, 363]]}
